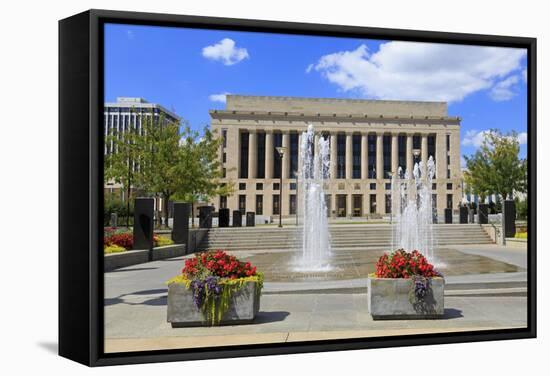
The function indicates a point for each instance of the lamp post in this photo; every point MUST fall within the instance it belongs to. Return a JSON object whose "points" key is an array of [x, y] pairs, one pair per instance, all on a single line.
{"points": [[281, 150]]}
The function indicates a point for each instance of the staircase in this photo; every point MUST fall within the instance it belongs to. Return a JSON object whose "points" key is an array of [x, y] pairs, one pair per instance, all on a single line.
{"points": [[342, 237]]}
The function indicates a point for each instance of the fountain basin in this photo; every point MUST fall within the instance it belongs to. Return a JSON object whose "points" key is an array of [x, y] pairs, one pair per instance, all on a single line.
{"points": [[395, 298]]}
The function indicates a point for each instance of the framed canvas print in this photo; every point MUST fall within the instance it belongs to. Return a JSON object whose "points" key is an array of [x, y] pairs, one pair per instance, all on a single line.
{"points": [[239, 187]]}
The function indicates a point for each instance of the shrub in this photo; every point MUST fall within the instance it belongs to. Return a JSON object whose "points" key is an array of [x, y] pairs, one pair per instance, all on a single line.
{"points": [[162, 240], [122, 239], [113, 249], [402, 264]]}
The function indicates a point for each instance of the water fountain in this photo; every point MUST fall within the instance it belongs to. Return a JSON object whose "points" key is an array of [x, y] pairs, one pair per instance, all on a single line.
{"points": [[314, 170], [411, 198]]}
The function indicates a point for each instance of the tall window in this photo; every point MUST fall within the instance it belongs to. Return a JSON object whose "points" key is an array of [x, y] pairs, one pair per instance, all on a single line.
{"points": [[292, 204], [260, 155], [223, 202], [356, 149], [341, 156], [431, 148], [277, 141], [242, 204], [416, 142], [449, 200], [372, 156], [244, 155], [224, 137], [388, 203], [259, 204], [386, 140], [276, 204], [294, 150], [402, 151], [448, 142]]}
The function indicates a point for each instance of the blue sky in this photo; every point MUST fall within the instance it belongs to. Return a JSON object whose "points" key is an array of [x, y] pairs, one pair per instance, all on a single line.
{"points": [[190, 70]]}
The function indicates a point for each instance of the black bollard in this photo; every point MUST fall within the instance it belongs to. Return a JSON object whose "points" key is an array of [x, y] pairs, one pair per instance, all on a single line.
{"points": [[223, 218], [237, 218], [250, 219], [143, 223], [448, 215], [205, 216], [463, 214], [483, 214], [180, 228], [509, 218]]}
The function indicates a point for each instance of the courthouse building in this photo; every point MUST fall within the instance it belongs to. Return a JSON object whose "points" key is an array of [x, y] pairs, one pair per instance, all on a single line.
{"points": [[369, 139]]}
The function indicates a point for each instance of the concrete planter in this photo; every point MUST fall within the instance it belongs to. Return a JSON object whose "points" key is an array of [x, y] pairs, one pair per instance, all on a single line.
{"points": [[182, 312], [394, 298]]}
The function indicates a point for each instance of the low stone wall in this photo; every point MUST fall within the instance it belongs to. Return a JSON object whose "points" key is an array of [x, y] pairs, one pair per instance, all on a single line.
{"points": [[195, 238], [114, 261]]}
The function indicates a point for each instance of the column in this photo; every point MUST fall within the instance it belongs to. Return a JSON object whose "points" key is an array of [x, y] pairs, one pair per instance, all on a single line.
{"points": [[379, 156], [409, 153], [424, 148], [269, 155], [364, 156], [333, 204], [333, 154], [394, 156], [349, 156], [252, 150], [286, 159]]}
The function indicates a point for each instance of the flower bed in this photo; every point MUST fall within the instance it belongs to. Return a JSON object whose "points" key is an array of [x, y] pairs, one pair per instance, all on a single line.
{"points": [[405, 285], [115, 239], [214, 288]]}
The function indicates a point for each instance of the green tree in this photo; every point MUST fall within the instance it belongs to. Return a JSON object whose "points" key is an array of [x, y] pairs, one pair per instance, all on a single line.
{"points": [[159, 156], [200, 168], [496, 166], [123, 154]]}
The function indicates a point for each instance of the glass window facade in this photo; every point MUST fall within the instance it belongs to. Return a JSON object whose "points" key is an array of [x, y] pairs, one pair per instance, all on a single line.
{"points": [[356, 149], [341, 156], [371, 142], [260, 155], [277, 163], [243, 173], [386, 141], [294, 150]]}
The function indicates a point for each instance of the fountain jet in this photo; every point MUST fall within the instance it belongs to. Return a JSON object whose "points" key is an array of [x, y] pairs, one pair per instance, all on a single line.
{"points": [[412, 209], [314, 170]]}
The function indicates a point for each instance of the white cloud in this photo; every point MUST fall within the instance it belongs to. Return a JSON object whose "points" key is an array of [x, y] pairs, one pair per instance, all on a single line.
{"points": [[226, 52], [475, 138], [221, 97], [505, 90], [418, 71], [524, 75]]}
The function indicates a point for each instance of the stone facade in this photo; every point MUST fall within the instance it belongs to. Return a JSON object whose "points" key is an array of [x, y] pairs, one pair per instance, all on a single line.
{"points": [[369, 139]]}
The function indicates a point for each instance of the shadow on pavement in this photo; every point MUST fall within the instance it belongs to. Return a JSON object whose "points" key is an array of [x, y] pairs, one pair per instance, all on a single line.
{"points": [[266, 317], [452, 313], [129, 270]]}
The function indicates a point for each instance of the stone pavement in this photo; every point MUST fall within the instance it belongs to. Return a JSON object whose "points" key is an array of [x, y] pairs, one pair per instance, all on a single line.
{"points": [[135, 308]]}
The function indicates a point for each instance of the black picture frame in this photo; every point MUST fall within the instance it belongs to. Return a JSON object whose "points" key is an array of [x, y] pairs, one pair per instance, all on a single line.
{"points": [[81, 181]]}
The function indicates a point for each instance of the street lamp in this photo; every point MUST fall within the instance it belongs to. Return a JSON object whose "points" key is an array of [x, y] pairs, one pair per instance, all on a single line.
{"points": [[281, 150], [416, 154]]}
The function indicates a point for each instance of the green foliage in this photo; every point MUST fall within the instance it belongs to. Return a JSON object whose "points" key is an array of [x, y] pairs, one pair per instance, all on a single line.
{"points": [[113, 249], [521, 235], [521, 208], [161, 241], [166, 159], [496, 167]]}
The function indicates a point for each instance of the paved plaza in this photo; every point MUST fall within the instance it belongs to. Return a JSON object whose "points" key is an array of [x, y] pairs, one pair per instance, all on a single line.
{"points": [[486, 290]]}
